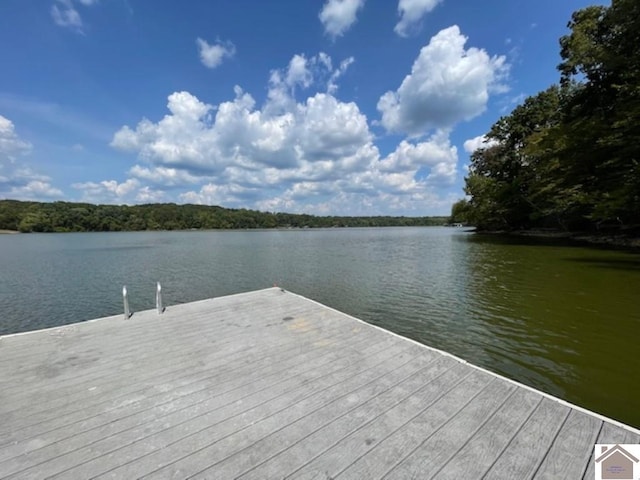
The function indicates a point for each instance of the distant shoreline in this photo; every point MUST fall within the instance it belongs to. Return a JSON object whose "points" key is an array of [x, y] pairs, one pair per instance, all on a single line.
{"points": [[8, 232]]}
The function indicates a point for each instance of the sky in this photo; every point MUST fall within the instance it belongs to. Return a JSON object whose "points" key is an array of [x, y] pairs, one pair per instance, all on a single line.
{"points": [[327, 107]]}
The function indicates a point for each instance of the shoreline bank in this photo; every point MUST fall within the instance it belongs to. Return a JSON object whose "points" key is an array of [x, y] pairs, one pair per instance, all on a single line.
{"points": [[603, 240]]}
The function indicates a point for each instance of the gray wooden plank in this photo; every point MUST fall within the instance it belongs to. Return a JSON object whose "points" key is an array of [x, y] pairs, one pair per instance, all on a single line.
{"points": [[431, 451], [159, 351], [112, 350], [114, 400], [476, 456], [571, 450], [419, 390], [146, 453], [527, 449], [31, 344], [120, 361], [104, 439], [424, 417], [162, 363], [269, 384], [237, 388], [152, 375], [110, 345], [391, 388]]}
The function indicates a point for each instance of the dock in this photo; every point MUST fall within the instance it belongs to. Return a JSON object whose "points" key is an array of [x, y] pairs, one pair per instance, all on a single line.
{"points": [[272, 385]]}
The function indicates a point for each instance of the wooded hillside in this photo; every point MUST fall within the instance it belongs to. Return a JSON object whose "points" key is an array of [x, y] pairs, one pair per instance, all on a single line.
{"points": [[85, 217]]}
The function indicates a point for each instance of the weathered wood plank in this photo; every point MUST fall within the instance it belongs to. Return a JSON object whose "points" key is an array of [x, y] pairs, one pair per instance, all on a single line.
{"points": [[571, 450], [118, 432], [527, 449], [391, 388], [115, 400], [196, 438], [112, 350], [426, 386], [437, 449], [271, 385], [475, 457], [416, 418]]}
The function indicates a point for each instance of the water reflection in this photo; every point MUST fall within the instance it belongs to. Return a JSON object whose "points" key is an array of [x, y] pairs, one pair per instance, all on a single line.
{"points": [[563, 319]]}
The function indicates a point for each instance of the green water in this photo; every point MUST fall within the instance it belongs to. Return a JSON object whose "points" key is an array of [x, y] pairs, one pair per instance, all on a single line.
{"points": [[562, 319]]}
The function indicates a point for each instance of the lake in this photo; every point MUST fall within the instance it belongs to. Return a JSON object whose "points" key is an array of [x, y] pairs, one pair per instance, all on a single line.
{"points": [[563, 319]]}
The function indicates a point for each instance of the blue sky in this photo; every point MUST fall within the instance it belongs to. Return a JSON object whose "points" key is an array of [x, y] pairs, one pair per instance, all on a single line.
{"points": [[345, 107]]}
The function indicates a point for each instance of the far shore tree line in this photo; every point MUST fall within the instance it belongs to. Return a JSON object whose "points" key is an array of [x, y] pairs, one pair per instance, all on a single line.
{"points": [[84, 217], [568, 158]]}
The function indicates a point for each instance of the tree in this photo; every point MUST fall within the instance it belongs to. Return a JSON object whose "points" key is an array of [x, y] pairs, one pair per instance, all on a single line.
{"points": [[569, 157]]}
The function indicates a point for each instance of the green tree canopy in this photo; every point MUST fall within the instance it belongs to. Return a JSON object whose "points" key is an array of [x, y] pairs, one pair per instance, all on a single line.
{"points": [[569, 156]]}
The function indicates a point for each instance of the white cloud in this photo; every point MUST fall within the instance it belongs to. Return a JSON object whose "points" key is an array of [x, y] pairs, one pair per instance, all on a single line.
{"points": [[108, 191], [337, 16], [10, 144], [112, 192], [35, 190], [332, 86], [314, 154], [475, 143], [164, 176], [148, 195], [411, 12], [437, 153], [212, 56], [298, 73], [65, 15], [447, 84], [213, 194], [17, 181]]}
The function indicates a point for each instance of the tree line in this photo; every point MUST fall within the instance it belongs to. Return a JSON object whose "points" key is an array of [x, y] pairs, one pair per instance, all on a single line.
{"points": [[84, 217], [569, 157]]}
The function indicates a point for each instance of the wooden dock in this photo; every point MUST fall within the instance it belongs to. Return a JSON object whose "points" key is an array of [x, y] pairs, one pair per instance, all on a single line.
{"points": [[269, 384]]}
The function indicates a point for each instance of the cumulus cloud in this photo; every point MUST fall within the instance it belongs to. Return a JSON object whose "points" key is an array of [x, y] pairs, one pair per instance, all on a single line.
{"points": [[35, 190], [10, 144], [113, 192], [411, 12], [168, 177], [287, 154], [147, 195], [475, 143], [437, 153], [108, 191], [447, 84], [18, 181], [212, 55], [337, 16]]}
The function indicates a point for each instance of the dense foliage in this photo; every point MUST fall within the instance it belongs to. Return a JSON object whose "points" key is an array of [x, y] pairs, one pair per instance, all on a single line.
{"points": [[569, 157], [84, 217]]}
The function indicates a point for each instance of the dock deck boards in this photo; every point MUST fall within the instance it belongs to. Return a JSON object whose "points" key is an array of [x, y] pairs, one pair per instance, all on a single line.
{"points": [[269, 384]]}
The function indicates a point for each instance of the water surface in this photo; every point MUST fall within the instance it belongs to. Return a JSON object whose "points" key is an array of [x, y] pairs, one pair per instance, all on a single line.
{"points": [[562, 319]]}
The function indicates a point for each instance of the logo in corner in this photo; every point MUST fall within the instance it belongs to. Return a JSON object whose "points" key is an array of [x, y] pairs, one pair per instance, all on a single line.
{"points": [[614, 461]]}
